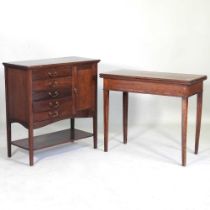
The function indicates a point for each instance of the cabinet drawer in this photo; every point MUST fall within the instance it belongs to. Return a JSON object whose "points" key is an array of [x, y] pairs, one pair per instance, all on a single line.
{"points": [[55, 83], [63, 112], [50, 73], [51, 94], [47, 105]]}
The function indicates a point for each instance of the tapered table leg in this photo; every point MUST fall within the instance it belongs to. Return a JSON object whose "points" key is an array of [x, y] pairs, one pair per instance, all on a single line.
{"points": [[95, 131], [31, 145], [198, 120], [106, 119], [125, 117], [184, 128], [9, 140]]}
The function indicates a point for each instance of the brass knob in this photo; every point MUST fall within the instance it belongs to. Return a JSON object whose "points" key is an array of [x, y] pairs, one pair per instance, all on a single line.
{"points": [[53, 84], [54, 105], [53, 114], [52, 74], [53, 94]]}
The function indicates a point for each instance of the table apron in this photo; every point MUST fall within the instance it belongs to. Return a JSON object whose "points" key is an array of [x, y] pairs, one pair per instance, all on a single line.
{"points": [[156, 88]]}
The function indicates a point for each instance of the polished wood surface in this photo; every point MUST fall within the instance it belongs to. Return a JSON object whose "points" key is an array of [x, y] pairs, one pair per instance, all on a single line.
{"points": [[125, 117], [158, 83], [198, 120], [45, 91], [184, 129], [185, 79], [51, 62], [53, 139], [106, 119]]}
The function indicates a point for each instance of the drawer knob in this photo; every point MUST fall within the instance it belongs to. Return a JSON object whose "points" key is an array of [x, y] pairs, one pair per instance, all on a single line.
{"points": [[52, 74], [53, 94], [54, 105], [53, 114], [53, 84]]}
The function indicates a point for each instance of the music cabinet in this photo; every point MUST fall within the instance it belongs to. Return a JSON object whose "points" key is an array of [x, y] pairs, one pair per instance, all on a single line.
{"points": [[41, 92]]}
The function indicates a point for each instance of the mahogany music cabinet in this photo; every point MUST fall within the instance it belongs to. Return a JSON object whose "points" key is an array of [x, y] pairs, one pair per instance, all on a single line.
{"points": [[41, 92]]}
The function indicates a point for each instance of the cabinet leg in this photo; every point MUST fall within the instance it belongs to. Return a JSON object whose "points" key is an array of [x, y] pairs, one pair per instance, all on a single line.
{"points": [[72, 129], [125, 117], [95, 131], [31, 145], [72, 123], [9, 140], [198, 120], [184, 129], [106, 119]]}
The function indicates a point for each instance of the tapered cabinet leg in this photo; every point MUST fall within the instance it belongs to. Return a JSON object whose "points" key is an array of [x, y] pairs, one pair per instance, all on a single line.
{"points": [[95, 131], [184, 129], [72, 129], [125, 117], [72, 123], [106, 119], [9, 140], [31, 145], [198, 120]]}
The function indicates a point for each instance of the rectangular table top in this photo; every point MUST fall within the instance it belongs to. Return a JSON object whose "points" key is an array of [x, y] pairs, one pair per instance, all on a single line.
{"points": [[48, 62], [162, 77]]}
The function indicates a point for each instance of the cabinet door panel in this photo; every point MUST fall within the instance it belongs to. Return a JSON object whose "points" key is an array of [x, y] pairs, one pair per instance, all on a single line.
{"points": [[85, 88]]}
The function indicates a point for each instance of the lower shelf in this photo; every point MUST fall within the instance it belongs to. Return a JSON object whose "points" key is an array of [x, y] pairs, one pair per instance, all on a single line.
{"points": [[53, 139]]}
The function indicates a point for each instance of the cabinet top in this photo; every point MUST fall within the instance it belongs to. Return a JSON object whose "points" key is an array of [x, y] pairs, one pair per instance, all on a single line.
{"points": [[48, 62], [163, 77]]}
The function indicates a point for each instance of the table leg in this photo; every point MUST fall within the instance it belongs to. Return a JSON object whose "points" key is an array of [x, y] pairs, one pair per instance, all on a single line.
{"points": [[9, 140], [31, 145], [198, 120], [95, 131], [184, 128], [125, 117], [106, 119]]}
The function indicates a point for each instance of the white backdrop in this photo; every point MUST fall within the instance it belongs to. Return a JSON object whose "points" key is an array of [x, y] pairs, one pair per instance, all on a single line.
{"points": [[157, 35]]}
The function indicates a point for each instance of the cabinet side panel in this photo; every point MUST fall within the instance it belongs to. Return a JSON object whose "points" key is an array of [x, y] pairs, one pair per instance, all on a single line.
{"points": [[86, 85], [16, 83]]}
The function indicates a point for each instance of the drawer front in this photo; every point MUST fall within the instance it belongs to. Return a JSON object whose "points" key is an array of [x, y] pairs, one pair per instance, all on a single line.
{"points": [[51, 73], [51, 94], [56, 83], [53, 104], [62, 111]]}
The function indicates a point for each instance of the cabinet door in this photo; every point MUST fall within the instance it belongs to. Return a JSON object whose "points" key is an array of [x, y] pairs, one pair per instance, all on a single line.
{"points": [[86, 82]]}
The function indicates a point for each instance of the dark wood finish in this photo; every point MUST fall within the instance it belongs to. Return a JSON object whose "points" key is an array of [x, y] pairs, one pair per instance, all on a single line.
{"points": [[198, 121], [158, 83], [155, 88], [50, 63], [45, 91], [106, 119], [184, 128], [52, 73], [52, 84], [125, 117], [72, 123], [86, 86], [162, 77], [52, 139]]}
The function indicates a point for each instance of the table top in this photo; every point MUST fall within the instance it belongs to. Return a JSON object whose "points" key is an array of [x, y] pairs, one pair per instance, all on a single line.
{"points": [[163, 77], [48, 62]]}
